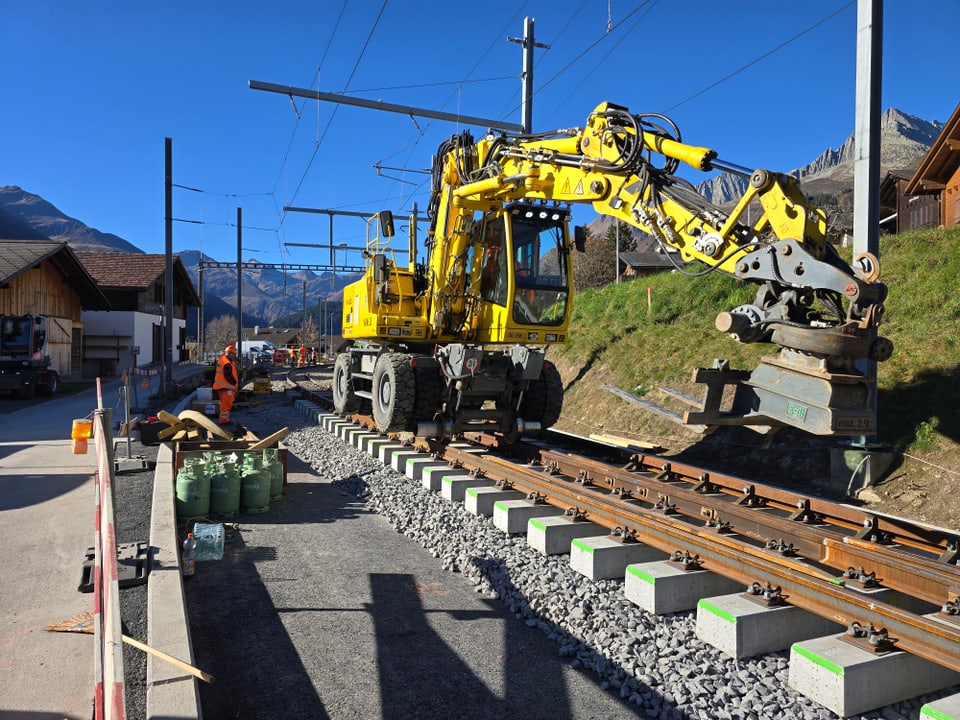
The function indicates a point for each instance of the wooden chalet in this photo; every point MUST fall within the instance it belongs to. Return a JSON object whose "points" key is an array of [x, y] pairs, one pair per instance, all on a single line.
{"points": [[938, 177], [45, 277], [131, 334], [636, 264], [900, 211]]}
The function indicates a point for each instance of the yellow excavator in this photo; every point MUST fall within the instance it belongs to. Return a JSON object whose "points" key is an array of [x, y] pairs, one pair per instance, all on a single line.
{"points": [[458, 343]]}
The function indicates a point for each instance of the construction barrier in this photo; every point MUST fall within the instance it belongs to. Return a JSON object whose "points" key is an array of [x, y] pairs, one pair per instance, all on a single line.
{"points": [[109, 696]]}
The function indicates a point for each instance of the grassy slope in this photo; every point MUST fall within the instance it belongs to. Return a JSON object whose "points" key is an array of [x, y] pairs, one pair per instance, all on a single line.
{"points": [[615, 338]]}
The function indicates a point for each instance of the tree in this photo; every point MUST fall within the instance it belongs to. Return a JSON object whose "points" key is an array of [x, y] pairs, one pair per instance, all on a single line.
{"points": [[597, 265], [220, 331], [311, 335]]}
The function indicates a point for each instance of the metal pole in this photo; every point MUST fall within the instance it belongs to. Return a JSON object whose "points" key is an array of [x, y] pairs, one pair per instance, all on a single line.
{"points": [[167, 355], [413, 240], [526, 113], [617, 258], [528, 43], [303, 318], [239, 290], [317, 96], [200, 338], [866, 163]]}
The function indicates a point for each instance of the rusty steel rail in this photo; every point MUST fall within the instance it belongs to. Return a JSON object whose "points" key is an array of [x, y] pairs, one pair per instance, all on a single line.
{"points": [[659, 523]]}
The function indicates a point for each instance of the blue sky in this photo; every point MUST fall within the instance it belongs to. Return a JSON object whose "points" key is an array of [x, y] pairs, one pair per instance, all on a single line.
{"points": [[92, 89]]}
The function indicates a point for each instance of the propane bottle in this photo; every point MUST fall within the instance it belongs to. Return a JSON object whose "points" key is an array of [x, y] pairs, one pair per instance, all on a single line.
{"points": [[254, 485], [193, 490], [225, 489], [188, 558], [273, 465]]}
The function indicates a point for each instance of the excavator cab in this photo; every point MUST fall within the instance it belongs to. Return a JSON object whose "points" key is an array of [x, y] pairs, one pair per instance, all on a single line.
{"points": [[525, 279]]}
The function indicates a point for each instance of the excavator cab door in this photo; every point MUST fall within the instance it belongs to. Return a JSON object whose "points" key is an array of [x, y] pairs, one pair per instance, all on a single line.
{"points": [[525, 273]]}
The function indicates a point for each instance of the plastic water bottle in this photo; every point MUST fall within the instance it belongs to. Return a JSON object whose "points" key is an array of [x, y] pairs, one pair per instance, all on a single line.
{"points": [[188, 559]]}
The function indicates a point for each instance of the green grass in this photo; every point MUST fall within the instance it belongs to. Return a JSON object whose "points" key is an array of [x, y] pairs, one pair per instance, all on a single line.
{"points": [[919, 387]]}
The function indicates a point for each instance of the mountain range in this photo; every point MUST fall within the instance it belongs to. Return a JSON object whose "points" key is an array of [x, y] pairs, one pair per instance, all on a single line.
{"points": [[270, 294]]}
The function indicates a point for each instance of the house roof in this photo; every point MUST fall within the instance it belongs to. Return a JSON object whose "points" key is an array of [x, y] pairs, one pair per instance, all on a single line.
{"points": [[136, 271], [941, 160], [18, 256], [639, 259], [278, 336]]}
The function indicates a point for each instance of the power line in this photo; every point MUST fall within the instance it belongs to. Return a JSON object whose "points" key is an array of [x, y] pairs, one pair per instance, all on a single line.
{"points": [[760, 57], [316, 77], [617, 44], [592, 45], [319, 142]]}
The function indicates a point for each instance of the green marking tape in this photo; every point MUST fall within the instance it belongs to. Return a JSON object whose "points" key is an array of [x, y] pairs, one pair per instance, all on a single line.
{"points": [[646, 577], [581, 545], [537, 525], [931, 712], [719, 612], [831, 667]]}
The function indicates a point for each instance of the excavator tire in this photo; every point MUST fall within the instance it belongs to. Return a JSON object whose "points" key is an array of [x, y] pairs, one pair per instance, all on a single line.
{"points": [[429, 393], [345, 400], [394, 393], [543, 399], [51, 385]]}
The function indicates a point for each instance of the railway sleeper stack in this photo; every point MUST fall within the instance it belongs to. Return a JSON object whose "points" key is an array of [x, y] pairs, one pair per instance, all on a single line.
{"points": [[823, 666]]}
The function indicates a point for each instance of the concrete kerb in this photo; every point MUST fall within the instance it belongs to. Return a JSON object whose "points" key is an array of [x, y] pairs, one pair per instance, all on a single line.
{"points": [[170, 691]]}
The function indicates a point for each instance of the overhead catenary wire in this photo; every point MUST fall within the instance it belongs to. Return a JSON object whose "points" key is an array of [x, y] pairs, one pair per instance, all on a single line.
{"points": [[760, 57], [333, 114]]}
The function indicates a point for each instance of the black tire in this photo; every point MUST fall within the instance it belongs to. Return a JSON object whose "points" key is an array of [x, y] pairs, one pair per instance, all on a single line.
{"points": [[345, 400], [52, 384], [543, 400], [393, 393], [429, 393]]}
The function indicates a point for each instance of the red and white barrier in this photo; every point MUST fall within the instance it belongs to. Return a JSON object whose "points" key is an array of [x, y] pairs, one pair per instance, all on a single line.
{"points": [[109, 697]]}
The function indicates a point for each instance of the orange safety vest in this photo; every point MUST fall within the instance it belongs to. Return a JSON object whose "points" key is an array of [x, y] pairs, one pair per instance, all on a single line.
{"points": [[220, 381], [303, 354]]}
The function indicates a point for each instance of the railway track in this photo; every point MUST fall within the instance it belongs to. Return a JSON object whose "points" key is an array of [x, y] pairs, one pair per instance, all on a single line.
{"points": [[894, 583]]}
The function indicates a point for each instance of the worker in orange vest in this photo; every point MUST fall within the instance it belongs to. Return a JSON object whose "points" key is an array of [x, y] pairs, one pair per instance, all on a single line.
{"points": [[225, 381], [303, 356], [293, 357]]}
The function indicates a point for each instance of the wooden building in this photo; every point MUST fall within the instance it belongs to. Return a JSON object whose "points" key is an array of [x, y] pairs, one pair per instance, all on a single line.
{"points": [[131, 334], [636, 264], [900, 211], [939, 177], [45, 277]]}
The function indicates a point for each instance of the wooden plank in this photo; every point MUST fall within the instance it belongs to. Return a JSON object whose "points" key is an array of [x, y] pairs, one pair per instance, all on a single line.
{"points": [[172, 430], [627, 442], [167, 417], [206, 423], [271, 440]]}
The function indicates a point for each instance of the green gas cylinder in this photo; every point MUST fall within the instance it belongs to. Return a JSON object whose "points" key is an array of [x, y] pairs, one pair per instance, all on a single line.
{"points": [[274, 465], [225, 489], [193, 490], [254, 485]]}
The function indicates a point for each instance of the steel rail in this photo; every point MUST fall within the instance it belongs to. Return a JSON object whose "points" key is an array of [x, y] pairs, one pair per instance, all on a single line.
{"points": [[753, 516], [934, 638]]}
